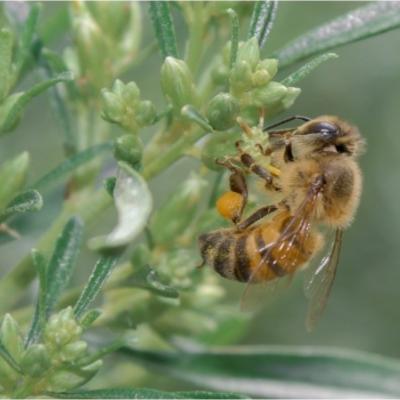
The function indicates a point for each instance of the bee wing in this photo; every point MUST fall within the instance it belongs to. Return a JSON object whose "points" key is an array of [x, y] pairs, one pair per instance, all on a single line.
{"points": [[295, 234], [321, 282]]}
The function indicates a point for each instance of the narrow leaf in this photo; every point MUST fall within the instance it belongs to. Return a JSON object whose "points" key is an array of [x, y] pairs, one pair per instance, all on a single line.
{"points": [[361, 23], [134, 203], [164, 28], [30, 200], [281, 372], [68, 166], [53, 64], [6, 45], [304, 70], [262, 20], [39, 316], [12, 107], [27, 35], [143, 394], [100, 273], [63, 261], [8, 358], [234, 36], [192, 114]]}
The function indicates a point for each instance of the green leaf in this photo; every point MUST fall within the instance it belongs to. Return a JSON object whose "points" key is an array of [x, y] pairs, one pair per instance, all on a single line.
{"points": [[304, 70], [134, 203], [13, 106], [234, 36], [143, 394], [63, 261], [8, 358], [27, 35], [70, 165], [100, 273], [164, 28], [30, 200], [39, 316], [361, 23], [52, 64], [6, 78], [12, 177], [281, 372], [262, 20]]}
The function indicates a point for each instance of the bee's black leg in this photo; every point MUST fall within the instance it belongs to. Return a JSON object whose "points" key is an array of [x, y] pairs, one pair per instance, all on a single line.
{"points": [[256, 216], [249, 162]]}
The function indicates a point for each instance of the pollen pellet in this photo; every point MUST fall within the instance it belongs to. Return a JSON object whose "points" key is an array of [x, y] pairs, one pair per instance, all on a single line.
{"points": [[230, 204]]}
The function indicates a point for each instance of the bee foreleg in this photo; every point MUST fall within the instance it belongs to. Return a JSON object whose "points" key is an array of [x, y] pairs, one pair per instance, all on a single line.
{"points": [[256, 216]]}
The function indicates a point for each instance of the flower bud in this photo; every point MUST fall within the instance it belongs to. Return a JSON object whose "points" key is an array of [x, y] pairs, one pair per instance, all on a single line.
{"points": [[240, 77], [291, 96], [249, 51], [175, 215], [73, 351], [61, 329], [122, 106], [95, 51], [222, 111], [36, 360], [12, 177], [269, 95], [177, 83], [218, 146], [269, 65], [10, 337], [129, 148]]}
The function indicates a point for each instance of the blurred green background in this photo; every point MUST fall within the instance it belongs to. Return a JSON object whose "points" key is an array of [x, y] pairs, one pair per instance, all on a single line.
{"points": [[361, 86]]}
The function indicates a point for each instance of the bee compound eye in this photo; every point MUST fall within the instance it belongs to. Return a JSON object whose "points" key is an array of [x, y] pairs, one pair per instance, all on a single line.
{"points": [[326, 128]]}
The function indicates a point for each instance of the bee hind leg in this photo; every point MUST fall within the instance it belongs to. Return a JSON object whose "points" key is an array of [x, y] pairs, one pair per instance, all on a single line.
{"points": [[232, 204], [256, 216]]}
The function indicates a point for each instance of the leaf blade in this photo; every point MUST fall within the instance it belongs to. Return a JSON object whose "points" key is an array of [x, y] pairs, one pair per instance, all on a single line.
{"points": [[63, 261], [29, 200], [101, 271], [262, 20], [164, 29], [281, 371], [307, 68], [359, 24]]}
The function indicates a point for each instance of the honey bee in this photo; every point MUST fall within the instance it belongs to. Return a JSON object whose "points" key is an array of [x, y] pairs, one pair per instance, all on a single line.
{"points": [[315, 171]]}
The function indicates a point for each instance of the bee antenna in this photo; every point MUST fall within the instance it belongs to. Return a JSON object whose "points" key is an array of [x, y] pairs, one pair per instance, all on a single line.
{"points": [[301, 117]]}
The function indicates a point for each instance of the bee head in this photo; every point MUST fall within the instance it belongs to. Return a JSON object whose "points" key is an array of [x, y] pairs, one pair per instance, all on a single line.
{"points": [[331, 134]]}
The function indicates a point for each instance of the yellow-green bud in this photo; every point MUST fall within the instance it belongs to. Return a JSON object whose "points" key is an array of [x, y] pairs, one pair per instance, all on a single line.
{"points": [[129, 148], [36, 360], [177, 83], [269, 95], [261, 77], [268, 64], [61, 329], [222, 111], [73, 351], [95, 51], [12, 177], [218, 146], [122, 106], [241, 78], [249, 51], [291, 96]]}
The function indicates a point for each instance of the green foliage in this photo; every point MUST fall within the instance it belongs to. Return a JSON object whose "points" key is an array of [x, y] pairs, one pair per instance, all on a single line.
{"points": [[278, 371], [145, 277]]}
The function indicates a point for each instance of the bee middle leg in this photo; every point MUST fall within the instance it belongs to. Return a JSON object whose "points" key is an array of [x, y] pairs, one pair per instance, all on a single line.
{"points": [[249, 162]]}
